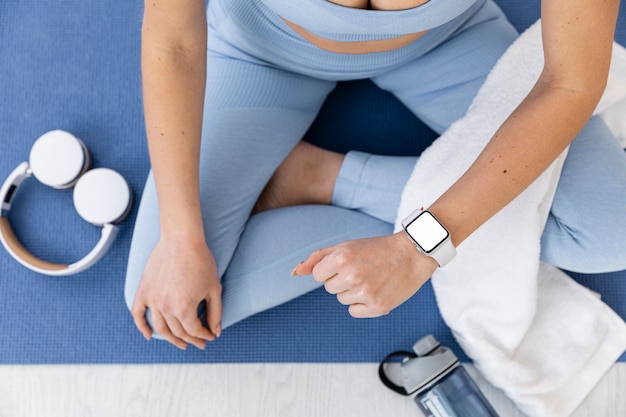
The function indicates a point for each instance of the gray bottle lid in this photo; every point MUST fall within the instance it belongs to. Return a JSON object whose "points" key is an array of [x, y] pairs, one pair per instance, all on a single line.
{"points": [[432, 363]]}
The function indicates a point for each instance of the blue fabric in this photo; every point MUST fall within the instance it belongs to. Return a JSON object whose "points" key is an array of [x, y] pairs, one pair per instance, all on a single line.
{"points": [[252, 32], [341, 23], [74, 65]]}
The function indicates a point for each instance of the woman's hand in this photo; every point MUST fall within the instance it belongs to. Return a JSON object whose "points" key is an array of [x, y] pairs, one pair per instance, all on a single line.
{"points": [[373, 276], [177, 277]]}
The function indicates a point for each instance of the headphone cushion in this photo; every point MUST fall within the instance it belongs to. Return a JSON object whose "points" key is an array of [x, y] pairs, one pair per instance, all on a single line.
{"points": [[58, 158], [102, 196]]}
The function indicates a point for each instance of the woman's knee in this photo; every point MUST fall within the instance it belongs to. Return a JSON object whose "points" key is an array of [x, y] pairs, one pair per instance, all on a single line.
{"points": [[130, 289], [586, 230], [146, 234], [596, 247]]}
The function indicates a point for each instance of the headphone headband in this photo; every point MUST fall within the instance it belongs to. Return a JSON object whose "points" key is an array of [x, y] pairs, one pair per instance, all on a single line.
{"points": [[12, 183], [19, 252]]}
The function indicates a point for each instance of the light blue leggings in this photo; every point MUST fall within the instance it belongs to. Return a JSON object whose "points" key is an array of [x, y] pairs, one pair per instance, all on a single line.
{"points": [[259, 104]]}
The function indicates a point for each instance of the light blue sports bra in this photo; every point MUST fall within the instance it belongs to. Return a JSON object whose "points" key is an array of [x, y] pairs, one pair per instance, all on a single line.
{"points": [[334, 22]]}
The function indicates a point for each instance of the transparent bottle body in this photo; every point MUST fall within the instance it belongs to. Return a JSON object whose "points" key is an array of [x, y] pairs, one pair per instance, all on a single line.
{"points": [[455, 395]]}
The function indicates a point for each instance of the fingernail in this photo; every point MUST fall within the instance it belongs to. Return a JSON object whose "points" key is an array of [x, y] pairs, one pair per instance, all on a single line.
{"points": [[218, 331], [293, 271]]}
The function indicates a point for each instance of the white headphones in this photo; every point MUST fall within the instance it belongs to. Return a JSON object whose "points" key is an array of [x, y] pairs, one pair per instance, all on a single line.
{"points": [[101, 197]]}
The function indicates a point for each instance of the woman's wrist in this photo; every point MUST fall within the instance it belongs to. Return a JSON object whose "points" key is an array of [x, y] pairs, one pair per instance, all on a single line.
{"points": [[182, 227], [411, 253], [186, 233]]}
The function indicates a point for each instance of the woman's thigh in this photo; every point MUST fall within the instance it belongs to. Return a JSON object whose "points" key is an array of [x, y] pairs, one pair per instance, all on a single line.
{"points": [[253, 117]]}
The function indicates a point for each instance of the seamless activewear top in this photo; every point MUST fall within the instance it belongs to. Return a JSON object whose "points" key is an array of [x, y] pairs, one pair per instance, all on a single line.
{"points": [[341, 23], [258, 30]]}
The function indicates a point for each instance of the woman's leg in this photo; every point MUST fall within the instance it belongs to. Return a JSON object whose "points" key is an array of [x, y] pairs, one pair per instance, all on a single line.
{"points": [[373, 184], [254, 115], [274, 242], [586, 229]]}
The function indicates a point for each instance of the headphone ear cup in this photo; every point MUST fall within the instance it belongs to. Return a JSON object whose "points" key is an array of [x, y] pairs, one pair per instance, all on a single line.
{"points": [[102, 196], [58, 158]]}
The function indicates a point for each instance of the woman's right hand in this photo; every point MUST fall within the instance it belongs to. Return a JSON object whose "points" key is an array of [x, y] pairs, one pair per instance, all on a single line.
{"points": [[178, 276]]}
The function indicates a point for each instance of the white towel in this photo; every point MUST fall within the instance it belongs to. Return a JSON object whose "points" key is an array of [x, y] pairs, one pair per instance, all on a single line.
{"points": [[529, 328]]}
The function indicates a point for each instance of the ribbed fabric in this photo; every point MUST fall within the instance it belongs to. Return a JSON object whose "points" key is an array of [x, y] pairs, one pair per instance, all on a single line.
{"points": [[335, 22], [372, 184], [250, 30], [278, 91]]}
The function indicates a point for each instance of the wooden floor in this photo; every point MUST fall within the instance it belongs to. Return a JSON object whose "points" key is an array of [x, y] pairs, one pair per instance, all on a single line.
{"points": [[237, 390]]}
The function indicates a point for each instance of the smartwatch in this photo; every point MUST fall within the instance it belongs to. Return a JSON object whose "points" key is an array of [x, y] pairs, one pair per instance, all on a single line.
{"points": [[429, 236]]}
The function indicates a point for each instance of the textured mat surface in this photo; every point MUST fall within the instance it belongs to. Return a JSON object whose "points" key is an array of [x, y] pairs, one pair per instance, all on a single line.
{"points": [[74, 65]]}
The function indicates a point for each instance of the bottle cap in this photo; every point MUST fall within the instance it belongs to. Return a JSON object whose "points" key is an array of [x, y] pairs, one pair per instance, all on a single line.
{"points": [[432, 363]]}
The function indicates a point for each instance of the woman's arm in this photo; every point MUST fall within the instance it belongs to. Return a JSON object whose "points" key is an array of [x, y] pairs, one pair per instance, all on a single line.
{"points": [[173, 52], [376, 275], [181, 271], [577, 39]]}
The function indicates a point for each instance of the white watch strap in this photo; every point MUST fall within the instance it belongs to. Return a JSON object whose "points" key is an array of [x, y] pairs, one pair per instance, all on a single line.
{"points": [[444, 253]]}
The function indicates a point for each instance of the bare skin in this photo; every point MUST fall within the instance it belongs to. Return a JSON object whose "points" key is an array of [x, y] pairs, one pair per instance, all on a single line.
{"points": [[358, 47], [364, 47], [306, 176]]}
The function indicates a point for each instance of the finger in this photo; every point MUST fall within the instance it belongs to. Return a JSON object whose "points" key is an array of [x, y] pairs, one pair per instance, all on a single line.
{"points": [[349, 298], [138, 312], [360, 311], [193, 323], [186, 332], [161, 327], [193, 326], [214, 313], [306, 267], [336, 284]]}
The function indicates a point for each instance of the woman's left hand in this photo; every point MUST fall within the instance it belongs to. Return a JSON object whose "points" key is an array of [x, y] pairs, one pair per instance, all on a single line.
{"points": [[373, 276]]}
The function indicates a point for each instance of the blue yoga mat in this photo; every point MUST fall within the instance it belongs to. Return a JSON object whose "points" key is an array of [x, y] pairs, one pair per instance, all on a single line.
{"points": [[74, 65]]}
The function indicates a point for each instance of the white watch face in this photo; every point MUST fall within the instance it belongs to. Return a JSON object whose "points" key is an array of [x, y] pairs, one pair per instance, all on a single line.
{"points": [[427, 232]]}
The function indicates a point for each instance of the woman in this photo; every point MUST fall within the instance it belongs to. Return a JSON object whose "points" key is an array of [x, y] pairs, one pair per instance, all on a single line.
{"points": [[223, 115]]}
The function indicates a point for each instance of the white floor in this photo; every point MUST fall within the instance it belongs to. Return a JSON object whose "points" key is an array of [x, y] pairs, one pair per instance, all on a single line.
{"points": [[237, 390]]}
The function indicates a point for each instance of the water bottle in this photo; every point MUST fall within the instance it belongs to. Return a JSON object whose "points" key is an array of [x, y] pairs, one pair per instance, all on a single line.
{"points": [[443, 386]]}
